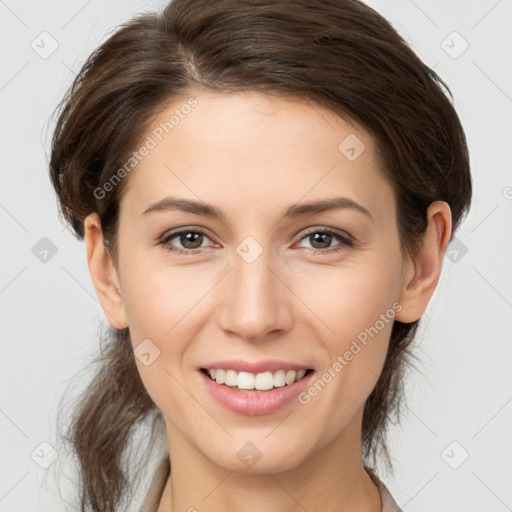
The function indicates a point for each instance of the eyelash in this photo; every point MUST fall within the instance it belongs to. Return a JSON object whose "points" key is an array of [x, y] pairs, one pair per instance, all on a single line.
{"points": [[346, 241]]}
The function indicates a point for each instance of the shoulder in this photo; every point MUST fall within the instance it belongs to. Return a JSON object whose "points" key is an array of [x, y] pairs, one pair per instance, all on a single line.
{"points": [[388, 502], [156, 488]]}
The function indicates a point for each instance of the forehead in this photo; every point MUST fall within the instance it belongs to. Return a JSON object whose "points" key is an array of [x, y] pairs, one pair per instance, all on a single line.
{"points": [[251, 150]]}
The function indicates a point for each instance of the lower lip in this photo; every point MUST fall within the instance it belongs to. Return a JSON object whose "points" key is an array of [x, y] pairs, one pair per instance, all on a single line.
{"points": [[251, 402]]}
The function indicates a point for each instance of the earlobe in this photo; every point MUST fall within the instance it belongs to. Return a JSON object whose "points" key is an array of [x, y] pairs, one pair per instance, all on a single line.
{"points": [[103, 273], [424, 269]]}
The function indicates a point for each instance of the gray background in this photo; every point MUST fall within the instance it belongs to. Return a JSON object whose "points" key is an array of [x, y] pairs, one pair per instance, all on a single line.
{"points": [[459, 404]]}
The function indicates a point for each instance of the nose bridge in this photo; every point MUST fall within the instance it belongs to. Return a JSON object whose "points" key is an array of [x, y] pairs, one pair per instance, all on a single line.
{"points": [[255, 302]]}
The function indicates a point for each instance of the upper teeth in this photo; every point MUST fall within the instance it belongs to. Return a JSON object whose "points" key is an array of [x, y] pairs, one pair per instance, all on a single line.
{"points": [[261, 381]]}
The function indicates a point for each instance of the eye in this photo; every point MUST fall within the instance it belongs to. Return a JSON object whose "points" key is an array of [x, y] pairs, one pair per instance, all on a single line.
{"points": [[190, 239], [321, 239]]}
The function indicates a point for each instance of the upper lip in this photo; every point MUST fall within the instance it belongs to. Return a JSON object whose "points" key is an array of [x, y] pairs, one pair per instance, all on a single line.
{"points": [[268, 365]]}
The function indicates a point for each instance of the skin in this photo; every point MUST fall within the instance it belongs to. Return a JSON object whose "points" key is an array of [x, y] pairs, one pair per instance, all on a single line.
{"points": [[252, 156]]}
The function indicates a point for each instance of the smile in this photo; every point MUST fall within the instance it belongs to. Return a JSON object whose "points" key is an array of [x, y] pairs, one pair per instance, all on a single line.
{"points": [[239, 392], [263, 381]]}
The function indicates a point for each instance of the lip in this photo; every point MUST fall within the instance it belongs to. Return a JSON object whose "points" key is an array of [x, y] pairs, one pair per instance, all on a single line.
{"points": [[252, 403], [269, 365]]}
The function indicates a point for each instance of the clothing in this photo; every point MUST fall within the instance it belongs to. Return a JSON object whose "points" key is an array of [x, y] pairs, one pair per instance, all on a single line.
{"points": [[388, 503], [156, 489]]}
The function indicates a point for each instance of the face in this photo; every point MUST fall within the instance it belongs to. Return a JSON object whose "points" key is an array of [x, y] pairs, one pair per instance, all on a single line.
{"points": [[265, 280]]}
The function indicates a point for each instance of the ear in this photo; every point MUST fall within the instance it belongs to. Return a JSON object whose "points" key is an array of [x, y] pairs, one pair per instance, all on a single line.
{"points": [[422, 271], [103, 273]]}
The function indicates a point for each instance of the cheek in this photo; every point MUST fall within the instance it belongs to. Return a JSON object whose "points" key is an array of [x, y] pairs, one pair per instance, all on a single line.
{"points": [[357, 309], [165, 306], [160, 300], [360, 323], [349, 301], [162, 308], [355, 357]]}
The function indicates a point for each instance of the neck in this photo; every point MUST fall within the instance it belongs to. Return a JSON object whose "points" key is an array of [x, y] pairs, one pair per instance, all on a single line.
{"points": [[333, 479]]}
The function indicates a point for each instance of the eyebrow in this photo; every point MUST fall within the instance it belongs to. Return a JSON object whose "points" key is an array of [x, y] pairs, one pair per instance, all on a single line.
{"points": [[294, 211]]}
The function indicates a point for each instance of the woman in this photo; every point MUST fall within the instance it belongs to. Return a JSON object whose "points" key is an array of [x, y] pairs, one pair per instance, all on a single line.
{"points": [[266, 191]]}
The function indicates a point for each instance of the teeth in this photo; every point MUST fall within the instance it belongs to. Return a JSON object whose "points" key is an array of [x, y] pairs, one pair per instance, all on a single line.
{"points": [[290, 376], [231, 378], [260, 382], [220, 376], [264, 381], [279, 378]]}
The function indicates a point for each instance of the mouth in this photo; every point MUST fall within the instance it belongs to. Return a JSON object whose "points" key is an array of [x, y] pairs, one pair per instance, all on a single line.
{"points": [[255, 382]]}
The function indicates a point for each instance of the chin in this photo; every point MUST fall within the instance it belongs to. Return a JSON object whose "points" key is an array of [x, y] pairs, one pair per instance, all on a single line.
{"points": [[250, 460]]}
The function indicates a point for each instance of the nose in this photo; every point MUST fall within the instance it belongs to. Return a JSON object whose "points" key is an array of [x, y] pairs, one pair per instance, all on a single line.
{"points": [[256, 301]]}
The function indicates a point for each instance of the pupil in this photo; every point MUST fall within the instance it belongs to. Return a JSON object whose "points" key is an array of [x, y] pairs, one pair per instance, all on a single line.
{"points": [[189, 238], [318, 238]]}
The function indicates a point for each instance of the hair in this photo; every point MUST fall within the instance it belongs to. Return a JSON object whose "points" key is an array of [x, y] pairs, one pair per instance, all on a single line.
{"points": [[340, 54]]}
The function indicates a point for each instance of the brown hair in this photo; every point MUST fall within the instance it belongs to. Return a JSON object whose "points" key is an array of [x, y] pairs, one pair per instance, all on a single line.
{"points": [[340, 54]]}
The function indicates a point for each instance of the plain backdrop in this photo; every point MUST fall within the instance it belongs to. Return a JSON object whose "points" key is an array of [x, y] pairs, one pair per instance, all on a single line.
{"points": [[453, 448]]}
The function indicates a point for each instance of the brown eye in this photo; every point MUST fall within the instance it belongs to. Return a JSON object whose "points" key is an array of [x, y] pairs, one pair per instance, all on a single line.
{"points": [[190, 241], [321, 241]]}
